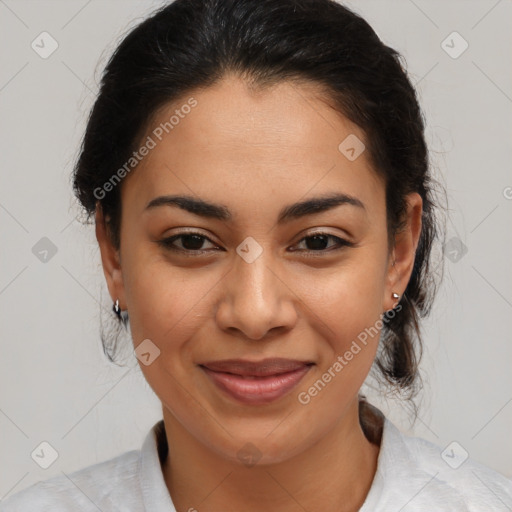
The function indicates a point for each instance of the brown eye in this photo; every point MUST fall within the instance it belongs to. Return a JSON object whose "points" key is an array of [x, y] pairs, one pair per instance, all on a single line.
{"points": [[194, 243], [318, 242], [190, 242]]}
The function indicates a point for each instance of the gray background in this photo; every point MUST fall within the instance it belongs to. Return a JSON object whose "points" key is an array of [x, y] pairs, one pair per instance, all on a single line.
{"points": [[55, 383]]}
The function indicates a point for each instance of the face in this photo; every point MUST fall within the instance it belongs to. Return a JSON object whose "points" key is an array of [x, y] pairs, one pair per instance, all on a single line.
{"points": [[248, 305]]}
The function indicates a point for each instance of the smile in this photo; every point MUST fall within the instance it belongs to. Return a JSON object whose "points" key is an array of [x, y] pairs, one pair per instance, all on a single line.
{"points": [[256, 383]]}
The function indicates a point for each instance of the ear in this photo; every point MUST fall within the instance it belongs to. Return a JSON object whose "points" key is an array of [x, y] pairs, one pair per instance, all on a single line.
{"points": [[110, 259], [401, 261]]}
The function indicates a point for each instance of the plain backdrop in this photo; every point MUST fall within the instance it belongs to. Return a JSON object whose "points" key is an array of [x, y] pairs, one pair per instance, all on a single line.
{"points": [[57, 386]]}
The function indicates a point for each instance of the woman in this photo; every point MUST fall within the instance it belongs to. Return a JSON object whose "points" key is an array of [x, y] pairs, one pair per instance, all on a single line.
{"points": [[259, 180]]}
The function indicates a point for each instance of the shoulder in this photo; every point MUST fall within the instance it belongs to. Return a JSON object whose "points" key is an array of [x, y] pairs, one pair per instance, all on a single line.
{"points": [[445, 478], [102, 486]]}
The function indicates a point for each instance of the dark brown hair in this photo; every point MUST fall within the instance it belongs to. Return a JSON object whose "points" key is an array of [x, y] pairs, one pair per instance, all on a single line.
{"points": [[191, 44]]}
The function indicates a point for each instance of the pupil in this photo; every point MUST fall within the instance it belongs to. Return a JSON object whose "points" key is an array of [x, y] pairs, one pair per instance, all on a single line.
{"points": [[319, 242], [194, 246]]}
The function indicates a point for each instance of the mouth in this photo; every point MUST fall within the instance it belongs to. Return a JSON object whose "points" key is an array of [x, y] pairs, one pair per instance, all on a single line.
{"points": [[256, 382]]}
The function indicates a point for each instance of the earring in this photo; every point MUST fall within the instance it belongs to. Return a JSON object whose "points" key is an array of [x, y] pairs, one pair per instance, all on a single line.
{"points": [[117, 309], [121, 315], [395, 295]]}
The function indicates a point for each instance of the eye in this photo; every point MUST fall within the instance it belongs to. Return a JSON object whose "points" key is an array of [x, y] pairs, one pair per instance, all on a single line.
{"points": [[318, 241], [190, 242]]}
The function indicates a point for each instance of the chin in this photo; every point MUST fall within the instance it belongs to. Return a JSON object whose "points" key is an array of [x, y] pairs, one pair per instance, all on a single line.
{"points": [[265, 448]]}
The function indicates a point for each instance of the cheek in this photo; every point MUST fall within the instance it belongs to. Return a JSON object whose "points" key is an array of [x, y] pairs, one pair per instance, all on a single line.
{"points": [[348, 307], [166, 303], [167, 306], [348, 299]]}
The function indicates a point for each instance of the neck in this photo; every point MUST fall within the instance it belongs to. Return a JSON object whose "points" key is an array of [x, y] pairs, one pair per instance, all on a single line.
{"points": [[335, 474]]}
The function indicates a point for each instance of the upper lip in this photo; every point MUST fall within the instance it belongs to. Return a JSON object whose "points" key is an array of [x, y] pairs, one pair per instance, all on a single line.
{"points": [[263, 368]]}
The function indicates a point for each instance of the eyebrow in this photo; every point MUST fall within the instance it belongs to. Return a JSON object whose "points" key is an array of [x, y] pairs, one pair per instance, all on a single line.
{"points": [[291, 212]]}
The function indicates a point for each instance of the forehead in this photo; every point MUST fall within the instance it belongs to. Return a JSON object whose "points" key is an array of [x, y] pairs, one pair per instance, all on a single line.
{"points": [[235, 141]]}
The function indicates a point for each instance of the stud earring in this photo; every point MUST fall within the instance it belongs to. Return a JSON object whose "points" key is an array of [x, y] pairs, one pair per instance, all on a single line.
{"points": [[395, 295]]}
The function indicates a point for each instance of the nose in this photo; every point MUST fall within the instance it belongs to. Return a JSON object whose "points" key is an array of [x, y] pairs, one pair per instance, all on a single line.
{"points": [[256, 299]]}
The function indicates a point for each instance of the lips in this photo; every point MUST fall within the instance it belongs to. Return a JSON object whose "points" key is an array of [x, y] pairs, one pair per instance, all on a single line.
{"points": [[256, 382]]}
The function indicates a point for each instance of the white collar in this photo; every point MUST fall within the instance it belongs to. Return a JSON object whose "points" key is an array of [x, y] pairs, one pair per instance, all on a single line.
{"points": [[155, 494]]}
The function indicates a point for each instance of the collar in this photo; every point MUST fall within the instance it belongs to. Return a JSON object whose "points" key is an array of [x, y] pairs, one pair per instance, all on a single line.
{"points": [[154, 451], [155, 494]]}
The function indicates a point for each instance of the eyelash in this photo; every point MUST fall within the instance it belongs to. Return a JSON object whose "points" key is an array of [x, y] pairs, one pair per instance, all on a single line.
{"points": [[167, 243]]}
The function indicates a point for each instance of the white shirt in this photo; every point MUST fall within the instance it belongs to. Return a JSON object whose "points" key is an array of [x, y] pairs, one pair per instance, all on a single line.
{"points": [[411, 475]]}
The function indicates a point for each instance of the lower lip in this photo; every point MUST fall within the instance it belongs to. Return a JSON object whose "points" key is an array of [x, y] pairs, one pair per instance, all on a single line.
{"points": [[256, 390]]}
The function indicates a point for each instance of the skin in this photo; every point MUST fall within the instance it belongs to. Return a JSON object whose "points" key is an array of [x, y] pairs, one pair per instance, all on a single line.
{"points": [[256, 152]]}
